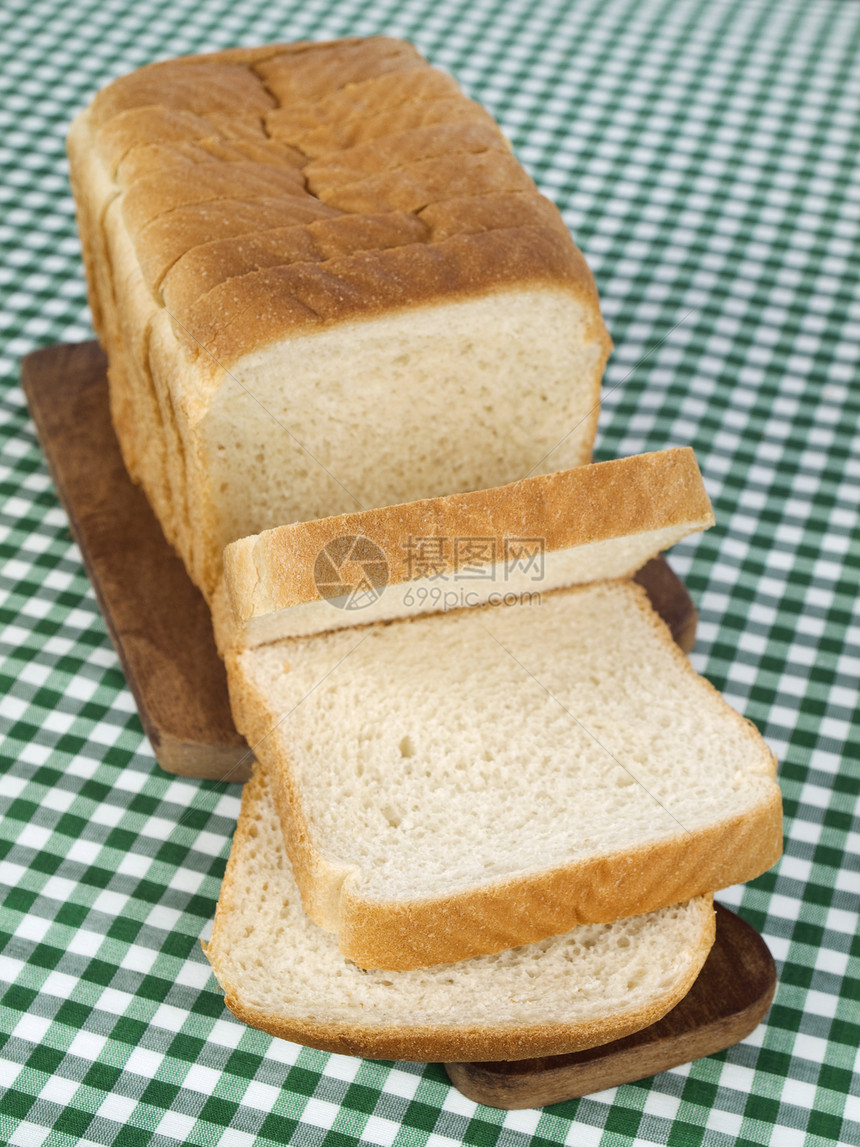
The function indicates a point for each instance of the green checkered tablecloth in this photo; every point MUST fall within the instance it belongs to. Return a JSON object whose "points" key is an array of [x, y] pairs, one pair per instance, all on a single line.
{"points": [[706, 158]]}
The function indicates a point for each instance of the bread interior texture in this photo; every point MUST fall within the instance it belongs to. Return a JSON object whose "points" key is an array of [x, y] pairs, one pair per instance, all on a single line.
{"points": [[463, 782], [416, 404]]}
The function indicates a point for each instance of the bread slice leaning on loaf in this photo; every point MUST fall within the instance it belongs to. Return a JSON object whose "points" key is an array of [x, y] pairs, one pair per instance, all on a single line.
{"points": [[538, 534], [282, 973], [456, 784], [324, 283]]}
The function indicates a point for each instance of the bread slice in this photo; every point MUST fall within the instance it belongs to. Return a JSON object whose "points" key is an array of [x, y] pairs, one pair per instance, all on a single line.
{"points": [[324, 283], [283, 974], [456, 784], [593, 522]]}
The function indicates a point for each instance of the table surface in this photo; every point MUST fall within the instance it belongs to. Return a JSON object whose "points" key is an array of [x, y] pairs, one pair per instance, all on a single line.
{"points": [[705, 158]]}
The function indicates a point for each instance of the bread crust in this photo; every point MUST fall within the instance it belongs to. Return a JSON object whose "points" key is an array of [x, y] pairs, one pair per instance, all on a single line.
{"points": [[501, 914], [242, 111], [239, 317], [616, 499], [376, 1039], [416, 934]]}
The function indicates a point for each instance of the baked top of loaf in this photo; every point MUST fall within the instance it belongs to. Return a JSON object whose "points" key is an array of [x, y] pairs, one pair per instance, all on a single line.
{"points": [[603, 520], [284, 974], [276, 190], [459, 783]]}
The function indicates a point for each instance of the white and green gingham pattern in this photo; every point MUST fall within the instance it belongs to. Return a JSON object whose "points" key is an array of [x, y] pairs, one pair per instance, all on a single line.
{"points": [[706, 158]]}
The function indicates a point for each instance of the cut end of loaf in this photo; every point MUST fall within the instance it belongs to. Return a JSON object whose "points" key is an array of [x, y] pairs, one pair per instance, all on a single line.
{"points": [[473, 394], [283, 974]]}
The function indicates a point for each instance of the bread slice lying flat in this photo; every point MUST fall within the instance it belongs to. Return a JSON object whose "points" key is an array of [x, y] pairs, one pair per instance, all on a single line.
{"points": [[282, 973], [592, 522], [460, 783]]}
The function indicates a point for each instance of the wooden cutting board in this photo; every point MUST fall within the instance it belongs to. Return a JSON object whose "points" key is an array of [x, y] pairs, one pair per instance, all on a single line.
{"points": [[157, 620], [160, 626], [728, 1000]]}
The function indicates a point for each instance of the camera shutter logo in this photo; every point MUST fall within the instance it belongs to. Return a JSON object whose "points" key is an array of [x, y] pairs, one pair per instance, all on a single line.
{"points": [[351, 572]]}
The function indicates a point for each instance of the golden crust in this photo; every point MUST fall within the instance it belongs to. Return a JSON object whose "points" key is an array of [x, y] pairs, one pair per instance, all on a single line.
{"points": [[314, 71], [375, 1039], [457, 1044], [165, 127], [210, 148], [211, 264], [615, 499], [401, 150], [183, 232], [240, 315], [317, 138], [502, 914], [219, 83], [441, 931], [364, 110]]}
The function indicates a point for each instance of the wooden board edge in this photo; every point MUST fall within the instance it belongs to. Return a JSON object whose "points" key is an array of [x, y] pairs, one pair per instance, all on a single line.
{"points": [[519, 1085]]}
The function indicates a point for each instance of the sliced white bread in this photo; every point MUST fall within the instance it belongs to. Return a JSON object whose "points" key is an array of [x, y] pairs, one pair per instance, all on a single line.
{"points": [[593, 522], [456, 784], [283, 974]]}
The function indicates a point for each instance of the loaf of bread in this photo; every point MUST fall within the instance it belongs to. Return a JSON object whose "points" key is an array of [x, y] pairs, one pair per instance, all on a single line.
{"points": [[324, 284], [282, 973], [605, 520]]}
